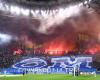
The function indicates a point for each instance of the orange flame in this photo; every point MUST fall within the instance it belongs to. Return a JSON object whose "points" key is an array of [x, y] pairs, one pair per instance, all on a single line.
{"points": [[58, 46]]}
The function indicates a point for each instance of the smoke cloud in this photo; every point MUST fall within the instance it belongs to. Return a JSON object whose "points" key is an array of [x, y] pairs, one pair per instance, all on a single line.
{"points": [[71, 28]]}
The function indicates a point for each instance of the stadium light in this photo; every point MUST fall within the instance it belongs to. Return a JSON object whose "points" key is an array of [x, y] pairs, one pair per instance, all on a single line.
{"points": [[5, 38], [17, 10], [38, 12]]}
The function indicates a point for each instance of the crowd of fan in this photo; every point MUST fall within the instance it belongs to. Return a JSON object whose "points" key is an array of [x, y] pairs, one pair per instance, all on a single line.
{"points": [[6, 60]]}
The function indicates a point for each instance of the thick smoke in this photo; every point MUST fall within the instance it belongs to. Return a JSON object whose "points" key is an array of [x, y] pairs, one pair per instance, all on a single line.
{"points": [[56, 17], [70, 30]]}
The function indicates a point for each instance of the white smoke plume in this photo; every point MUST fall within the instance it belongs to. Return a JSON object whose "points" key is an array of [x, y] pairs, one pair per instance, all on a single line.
{"points": [[48, 18], [58, 17]]}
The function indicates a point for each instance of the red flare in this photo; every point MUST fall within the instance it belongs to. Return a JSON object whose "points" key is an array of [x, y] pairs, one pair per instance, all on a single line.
{"points": [[58, 46]]}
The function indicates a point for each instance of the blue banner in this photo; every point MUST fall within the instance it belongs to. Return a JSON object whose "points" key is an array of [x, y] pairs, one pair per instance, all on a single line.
{"points": [[40, 65]]}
